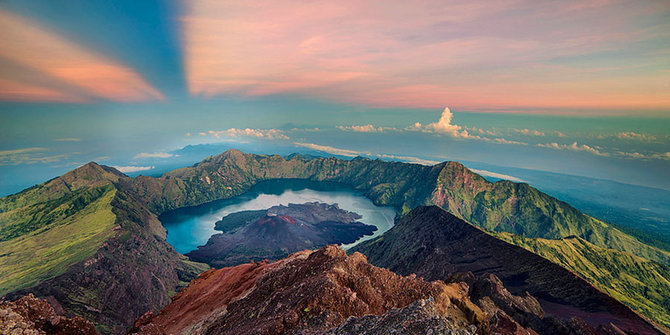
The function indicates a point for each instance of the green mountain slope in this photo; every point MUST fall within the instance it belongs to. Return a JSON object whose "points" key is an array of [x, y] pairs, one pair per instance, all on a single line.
{"points": [[90, 246], [641, 284], [33, 251], [502, 206], [436, 245], [111, 222], [233, 172], [520, 209]]}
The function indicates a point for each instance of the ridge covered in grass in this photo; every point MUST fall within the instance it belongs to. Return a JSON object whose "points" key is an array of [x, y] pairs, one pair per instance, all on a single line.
{"points": [[642, 284]]}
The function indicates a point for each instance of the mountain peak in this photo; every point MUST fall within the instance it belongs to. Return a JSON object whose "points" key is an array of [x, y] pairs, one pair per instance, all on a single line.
{"points": [[437, 245], [233, 155], [91, 174], [309, 291]]}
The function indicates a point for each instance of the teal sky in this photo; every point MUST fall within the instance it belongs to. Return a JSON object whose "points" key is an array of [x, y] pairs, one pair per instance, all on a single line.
{"points": [[562, 87]]}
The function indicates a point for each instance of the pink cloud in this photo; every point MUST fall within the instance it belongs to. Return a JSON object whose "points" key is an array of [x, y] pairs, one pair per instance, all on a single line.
{"points": [[468, 54], [11, 90], [82, 73]]}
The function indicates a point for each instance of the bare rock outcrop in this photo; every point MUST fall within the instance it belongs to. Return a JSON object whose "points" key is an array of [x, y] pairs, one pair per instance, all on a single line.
{"points": [[30, 315], [316, 292]]}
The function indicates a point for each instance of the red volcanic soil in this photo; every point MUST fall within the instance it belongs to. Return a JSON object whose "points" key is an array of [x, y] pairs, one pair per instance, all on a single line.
{"points": [[288, 219], [328, 292], [207, 295], [308, 291]]}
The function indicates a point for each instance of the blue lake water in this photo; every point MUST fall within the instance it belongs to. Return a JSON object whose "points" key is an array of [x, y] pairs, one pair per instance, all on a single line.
{"points": [[192, 226]]}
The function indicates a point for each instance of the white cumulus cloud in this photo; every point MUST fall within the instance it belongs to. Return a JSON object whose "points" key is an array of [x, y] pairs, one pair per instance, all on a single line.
{"points": [[128, 169], [637, 155], [444, 126], [573, 147], [631, 135], [529, 132], [497, 175]]}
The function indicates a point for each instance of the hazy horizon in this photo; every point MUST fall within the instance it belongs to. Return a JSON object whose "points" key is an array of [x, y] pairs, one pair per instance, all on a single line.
{"points": [[573, 88]]}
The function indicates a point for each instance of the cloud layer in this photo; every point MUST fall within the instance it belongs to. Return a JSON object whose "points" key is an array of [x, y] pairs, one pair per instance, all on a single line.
{"points": [[153, 155], [39, 65], [354, 153], [270, 134], [472, 54], [31, 155], [131, 169], [573, 147], [368, 128], [497, 175]]}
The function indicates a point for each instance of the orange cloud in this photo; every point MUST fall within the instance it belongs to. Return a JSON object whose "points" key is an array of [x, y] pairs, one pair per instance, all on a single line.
{"points": [[94, 75]]}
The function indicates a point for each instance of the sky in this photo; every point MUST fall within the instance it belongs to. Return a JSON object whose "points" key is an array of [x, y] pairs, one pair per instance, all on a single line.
{"points": [[574, 87]]}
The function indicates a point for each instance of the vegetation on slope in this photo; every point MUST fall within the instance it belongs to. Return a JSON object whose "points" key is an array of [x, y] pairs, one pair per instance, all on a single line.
{"points": [[232, 173], [89, 175], [35, 250], [641, 284], [522, 210], [91, 246], [502, 206], [60, 203], [435, 244]]}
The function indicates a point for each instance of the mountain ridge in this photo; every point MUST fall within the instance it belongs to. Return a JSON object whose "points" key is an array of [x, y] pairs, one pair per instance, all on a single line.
{"points": [[77, 250], [450, 185], [132, 206], [329, 292], [437, 245]]}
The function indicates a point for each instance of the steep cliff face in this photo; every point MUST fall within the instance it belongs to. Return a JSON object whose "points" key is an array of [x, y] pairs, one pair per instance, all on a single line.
{"points": [[233, 172], [90, 247], [437, 245]]}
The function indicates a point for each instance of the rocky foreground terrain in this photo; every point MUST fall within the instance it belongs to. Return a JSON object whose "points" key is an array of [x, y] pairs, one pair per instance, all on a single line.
{"points": [[329, 292], [33, 316]]}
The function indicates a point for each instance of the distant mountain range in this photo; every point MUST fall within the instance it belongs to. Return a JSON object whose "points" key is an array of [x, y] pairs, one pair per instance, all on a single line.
{"points": [[90, 240]]}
